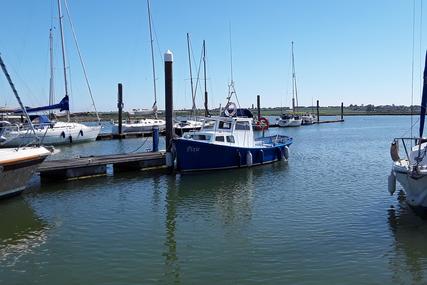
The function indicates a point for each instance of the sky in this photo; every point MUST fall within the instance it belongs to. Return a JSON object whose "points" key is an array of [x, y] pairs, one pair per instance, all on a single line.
{"points": [[354, 51]]}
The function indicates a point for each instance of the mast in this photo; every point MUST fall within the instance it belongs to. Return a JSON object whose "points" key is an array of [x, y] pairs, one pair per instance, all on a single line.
{"points": [[51, 80], [64, 62], [193, 108], [294, 83], [152, 60], [3, 67], [204, 71]]}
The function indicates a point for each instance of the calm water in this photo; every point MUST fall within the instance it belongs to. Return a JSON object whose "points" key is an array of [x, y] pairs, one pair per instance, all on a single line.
{"points": [[324, 218]]}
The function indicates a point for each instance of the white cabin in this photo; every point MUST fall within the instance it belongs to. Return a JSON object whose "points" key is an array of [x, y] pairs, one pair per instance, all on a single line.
{"points": [[232, 131]]}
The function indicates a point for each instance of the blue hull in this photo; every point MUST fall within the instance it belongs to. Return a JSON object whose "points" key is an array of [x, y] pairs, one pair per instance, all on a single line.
{"points": [[195, 155]]}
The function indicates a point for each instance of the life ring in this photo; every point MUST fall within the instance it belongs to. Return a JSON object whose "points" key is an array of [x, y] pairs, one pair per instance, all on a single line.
{"points": [[230, 109], [262, 124]]}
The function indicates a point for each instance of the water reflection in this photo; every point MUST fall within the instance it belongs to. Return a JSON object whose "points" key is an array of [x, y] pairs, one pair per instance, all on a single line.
{"points": [[408, 258], [192, 198], [22, 231]]}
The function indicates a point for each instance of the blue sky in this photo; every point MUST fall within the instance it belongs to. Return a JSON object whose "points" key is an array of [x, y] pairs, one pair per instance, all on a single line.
{"points": [[357, 51]]}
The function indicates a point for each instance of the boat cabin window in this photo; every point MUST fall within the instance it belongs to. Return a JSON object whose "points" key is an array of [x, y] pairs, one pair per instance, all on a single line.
{"points": [[208, 124], [224, 125], [201, 137], [230, 139], [242, 126], [219, 138]]}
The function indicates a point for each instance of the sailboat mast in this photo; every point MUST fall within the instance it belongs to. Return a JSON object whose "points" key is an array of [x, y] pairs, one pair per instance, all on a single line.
{"points": [[64, 62], [204, 72], [51, 81], [294, 82], [193, 108], [152, 58]]}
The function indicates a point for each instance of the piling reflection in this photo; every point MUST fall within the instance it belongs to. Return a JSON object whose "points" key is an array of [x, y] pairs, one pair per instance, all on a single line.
{"points": [[21, 232], [408, 259]]}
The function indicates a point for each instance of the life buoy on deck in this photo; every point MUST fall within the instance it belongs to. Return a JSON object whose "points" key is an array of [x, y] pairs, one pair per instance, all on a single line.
{"points": [[230, 109], [262, 124]]}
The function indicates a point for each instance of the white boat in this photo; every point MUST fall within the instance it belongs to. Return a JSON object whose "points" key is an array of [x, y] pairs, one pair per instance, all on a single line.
{"points": [[49, 133], [289, 121], [184, 126], [411, 171], [17, 166], [308, 119], [140, 126]]}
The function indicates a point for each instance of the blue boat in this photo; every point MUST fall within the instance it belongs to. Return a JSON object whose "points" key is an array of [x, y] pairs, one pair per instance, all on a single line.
{"points": [[228, 142]]}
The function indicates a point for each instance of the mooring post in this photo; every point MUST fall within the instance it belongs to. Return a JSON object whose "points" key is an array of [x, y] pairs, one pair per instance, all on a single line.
{"points": [[155, 139], [168, 98], [342, 111], [258, 105], [318, 114], [120, 105]]}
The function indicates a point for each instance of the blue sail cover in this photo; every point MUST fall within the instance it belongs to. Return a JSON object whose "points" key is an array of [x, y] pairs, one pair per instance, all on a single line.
{"points": [[62, 106], [423, 101]]}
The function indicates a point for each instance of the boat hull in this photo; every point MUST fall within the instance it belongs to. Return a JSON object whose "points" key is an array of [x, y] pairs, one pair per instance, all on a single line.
{"points": [[15, 173], [195, 155], [289, 123], [415, 188], [59, 134]]}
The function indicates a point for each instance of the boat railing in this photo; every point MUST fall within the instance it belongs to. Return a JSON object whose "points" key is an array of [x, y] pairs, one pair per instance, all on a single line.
{"points": [[407, 142]]}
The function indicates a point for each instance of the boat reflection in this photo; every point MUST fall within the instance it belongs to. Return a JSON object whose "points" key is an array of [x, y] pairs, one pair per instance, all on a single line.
{"points": [[228, 193], [408, 257], [21, 232]]}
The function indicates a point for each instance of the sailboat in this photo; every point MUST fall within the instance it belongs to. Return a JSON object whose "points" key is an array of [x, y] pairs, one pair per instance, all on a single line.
{"points": [[192, 124], [411, 171], [145, 124], [51, 132], [17, 165], [292, 120]]}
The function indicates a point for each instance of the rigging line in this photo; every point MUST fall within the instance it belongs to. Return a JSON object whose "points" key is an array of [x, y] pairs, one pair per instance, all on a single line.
{"points": [[193, 107], [412, 67], [152, 58], [81, 61], [198, 75], [64, 62], [421, 49]]}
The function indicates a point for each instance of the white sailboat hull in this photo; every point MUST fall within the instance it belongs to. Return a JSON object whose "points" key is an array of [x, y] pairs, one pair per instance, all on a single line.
{"points": [[59, 133], [143, 126], [415, 189]]}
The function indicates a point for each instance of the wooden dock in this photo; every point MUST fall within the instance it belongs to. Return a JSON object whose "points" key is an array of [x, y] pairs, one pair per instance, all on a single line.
{"points": [[75, 168]]}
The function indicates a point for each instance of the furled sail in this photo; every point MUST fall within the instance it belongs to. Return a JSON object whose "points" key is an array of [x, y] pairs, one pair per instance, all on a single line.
{"points": [[63, 105]]}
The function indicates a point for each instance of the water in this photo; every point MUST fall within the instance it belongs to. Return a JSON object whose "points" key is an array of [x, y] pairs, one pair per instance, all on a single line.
{"points": [[324, 218]]}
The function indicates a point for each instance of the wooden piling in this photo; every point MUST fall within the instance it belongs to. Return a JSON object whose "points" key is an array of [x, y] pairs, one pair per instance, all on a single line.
{"points": [[120, 106], [168, 57], [342, 111], [318, 113]]}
